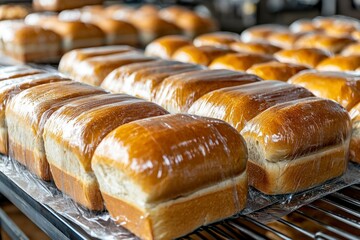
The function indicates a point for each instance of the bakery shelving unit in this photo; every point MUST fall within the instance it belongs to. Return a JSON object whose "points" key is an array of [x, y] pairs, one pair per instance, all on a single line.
{"points": [[327, 214]]}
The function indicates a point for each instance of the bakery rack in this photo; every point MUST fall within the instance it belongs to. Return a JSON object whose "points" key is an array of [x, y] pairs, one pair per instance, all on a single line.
{"points": [[335, 216]]}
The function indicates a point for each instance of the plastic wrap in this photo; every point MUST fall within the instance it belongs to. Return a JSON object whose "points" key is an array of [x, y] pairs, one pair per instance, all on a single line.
{"points": [[324, 42], [339, 63], [199, 55], [177, 93], [195, 166], [254, 47], [141, 79], [275, 70], [17, 71], [260, 33], [58, 5], [297, 145], [352, 49], [284, 40], [70, 139], [341, 87], [308, 57], [239, 61], [70, 59], [10, 88], [165, 47], [216, 39], [26, 115], [238, 105], [94, 70]]}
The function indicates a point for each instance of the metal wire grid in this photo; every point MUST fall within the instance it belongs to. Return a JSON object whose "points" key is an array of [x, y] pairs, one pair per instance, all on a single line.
{"points": [[336, 216]]}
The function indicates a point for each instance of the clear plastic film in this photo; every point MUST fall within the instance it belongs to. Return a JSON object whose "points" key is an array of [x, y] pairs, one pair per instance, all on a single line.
{"points": [[275, 70], [166, 46], [72, 133], [296, 145], [254, 47], [341, 87], [177, 93], [94, 70], [303, 26], [308, 57], [174, 169], [141, 79], [199, 55], [285, 40], [238, 105], [71, 58], [340, 63], [261, 33], [239, 61], [17, 71], [216, 39], [337, 26], [26, 115]]}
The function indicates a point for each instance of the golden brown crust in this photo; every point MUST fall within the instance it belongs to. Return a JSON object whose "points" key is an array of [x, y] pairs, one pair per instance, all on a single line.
{"points": [[12, 11], [275, 70], [261, 33], [155, 25], [352, 49], [239, 61], [303, 26], [323, 42], [162, 167], [339, 63], [17, 71], [285, 40], [291, 177], [254, 47], [177, 93], [308, 57], [238, 105], [194, 25], [356, 35], [165, 47], [216, 39], [199, 55], [298, 128], [343, 88], [355, 149], [87, 195], [172, 13]]}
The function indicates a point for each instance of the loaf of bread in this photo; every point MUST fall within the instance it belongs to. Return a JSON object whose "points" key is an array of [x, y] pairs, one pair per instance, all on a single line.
{"points": [[10, 88], [72, 58], [297, 145], [339, 63], [308, 57], [177, 93], [153, 27], [172, 13], [238, 105], [75, 34], [30, 43], [254, 47], [323, 42], [303, 26], [58, 5], [341, 87], [216, 39], [337, 26], [239, 61], [284, 40], [355, 136], [356, 35], [275, 70], [352, 49], [13, 11], [165, 47], [73, 132], [260, 33], [116, 32], [141, 79], [17, 71], [26, 115], [193, 25], [171, 174], [199, 55], [94, 70]]}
